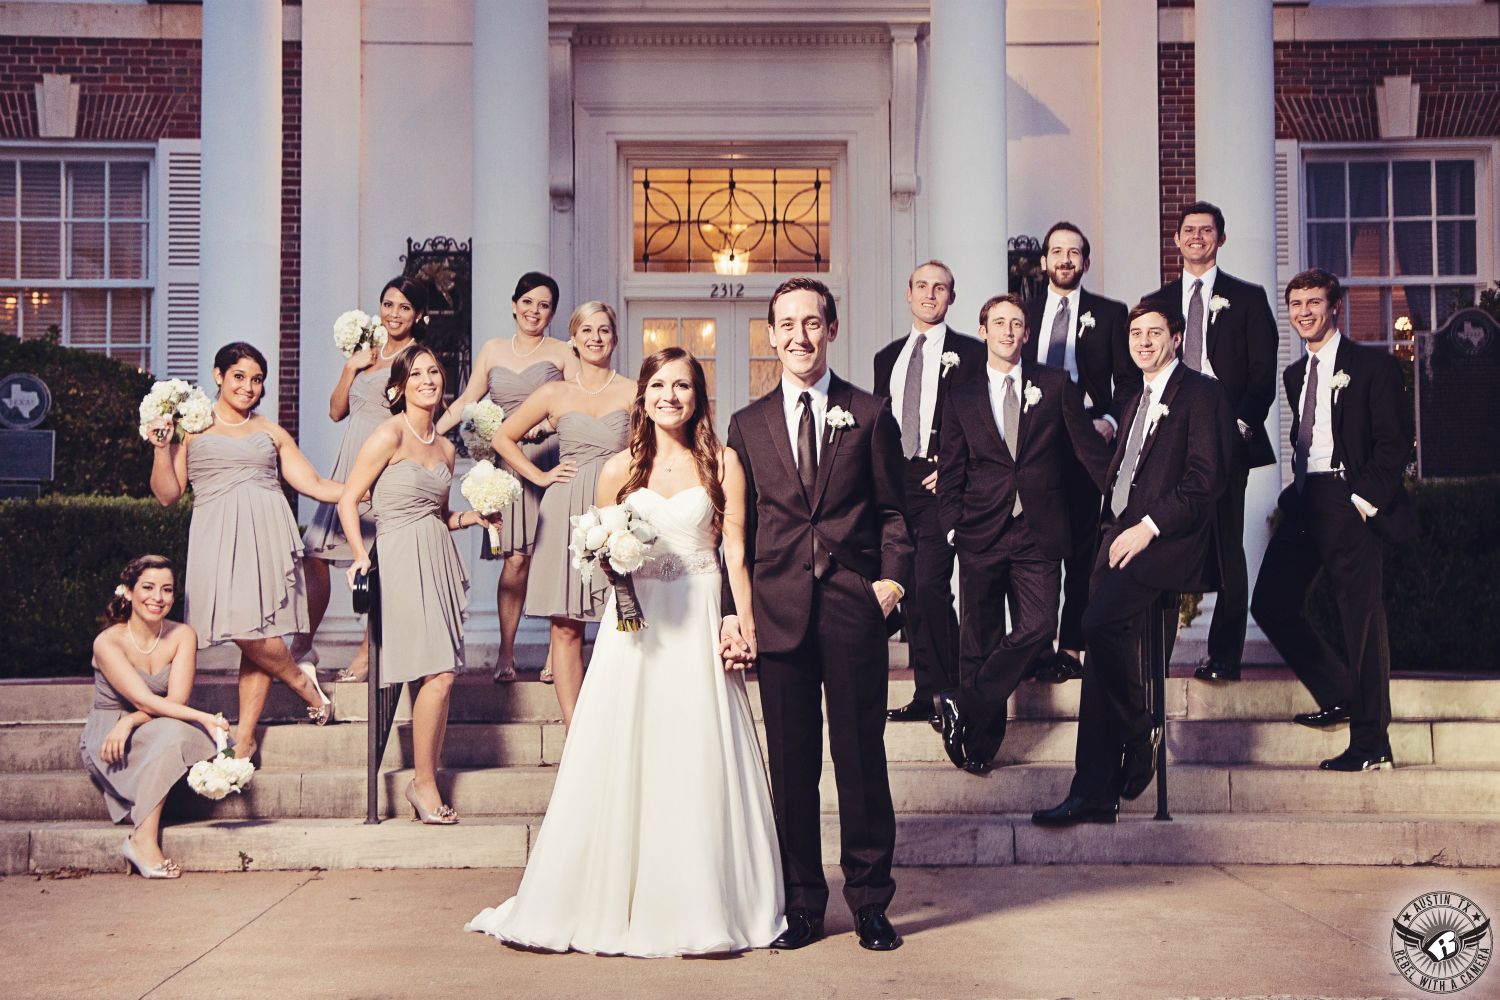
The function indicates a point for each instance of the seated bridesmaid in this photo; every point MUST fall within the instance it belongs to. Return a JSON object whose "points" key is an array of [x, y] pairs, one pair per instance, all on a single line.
{"points": [[141, 737]]}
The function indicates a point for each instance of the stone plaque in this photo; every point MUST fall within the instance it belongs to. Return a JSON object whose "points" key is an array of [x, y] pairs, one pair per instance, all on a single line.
{"points": [[26, 455], [24, 401], [1458, 397]]}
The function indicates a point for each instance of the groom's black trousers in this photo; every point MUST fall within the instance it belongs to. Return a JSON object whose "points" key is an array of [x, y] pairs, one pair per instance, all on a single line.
{"points": [[845, 658]]}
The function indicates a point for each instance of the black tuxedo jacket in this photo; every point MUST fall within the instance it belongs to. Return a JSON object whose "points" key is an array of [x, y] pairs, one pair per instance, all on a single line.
{"points": [[1182, 472], [978, 478], [857, 510], [971, 360], [1372, 433], [1106, 374], [1241, 345]]}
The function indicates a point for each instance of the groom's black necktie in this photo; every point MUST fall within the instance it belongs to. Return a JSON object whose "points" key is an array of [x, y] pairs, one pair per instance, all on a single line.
{"points": [[807, 446]]}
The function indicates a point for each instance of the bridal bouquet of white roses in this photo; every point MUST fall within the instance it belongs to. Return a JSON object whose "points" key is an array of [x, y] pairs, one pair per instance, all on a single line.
{"points": [[616, 541], [177, 408], [357, 329], [489, 491], [222, 773], [481, 422]]}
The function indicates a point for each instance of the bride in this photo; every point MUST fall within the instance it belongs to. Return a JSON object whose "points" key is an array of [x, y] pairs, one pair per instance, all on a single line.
{"points": [[659, 839]]}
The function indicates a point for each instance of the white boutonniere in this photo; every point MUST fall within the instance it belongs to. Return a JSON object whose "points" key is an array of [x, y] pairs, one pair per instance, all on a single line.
{"points": [[1085, 322], [1156, 418], [949, 360], [1032, 395], [1214, 305], [1339, 381], [837, 419]]}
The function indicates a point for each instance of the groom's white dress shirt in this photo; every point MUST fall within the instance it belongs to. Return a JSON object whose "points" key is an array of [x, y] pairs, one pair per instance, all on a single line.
{"points": [[791, 406]]}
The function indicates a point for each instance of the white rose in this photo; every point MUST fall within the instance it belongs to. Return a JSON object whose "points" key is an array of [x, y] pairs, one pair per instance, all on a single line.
{"points": [[626, 552], [594, 538], [614, 518], [588, 519]]}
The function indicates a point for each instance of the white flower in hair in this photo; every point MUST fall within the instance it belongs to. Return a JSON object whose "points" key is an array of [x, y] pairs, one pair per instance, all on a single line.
{"points": [[1033, 395], [949, 359], [120, 591]]}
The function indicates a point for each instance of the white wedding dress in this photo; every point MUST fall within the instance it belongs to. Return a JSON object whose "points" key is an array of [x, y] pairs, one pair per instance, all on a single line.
{"points": [[659, 839]]}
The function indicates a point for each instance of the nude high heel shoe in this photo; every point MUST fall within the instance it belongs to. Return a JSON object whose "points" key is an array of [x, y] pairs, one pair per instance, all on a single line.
{"points": [[324, 715], [443, 816], [167, 869]]}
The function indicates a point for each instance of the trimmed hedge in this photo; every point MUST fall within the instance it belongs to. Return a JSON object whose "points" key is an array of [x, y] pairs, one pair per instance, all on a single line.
{"points": [[60, 558], [95, 412]]}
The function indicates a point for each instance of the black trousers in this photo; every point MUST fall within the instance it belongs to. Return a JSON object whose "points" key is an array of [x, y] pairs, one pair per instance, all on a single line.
{"points": [[1083, 523], [931, 625], [991, 660], [844, 659], [1322, 532], [1226, 632]]}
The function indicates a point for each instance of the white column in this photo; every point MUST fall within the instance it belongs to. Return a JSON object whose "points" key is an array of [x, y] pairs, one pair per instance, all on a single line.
{"points": [[1235, 120], [240, 274], [511, 198], [1129, 173], [966, 179]]}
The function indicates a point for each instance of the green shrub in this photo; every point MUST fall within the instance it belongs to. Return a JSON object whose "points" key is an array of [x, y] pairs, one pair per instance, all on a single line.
{"points": [[95, 412], [60, 558]]}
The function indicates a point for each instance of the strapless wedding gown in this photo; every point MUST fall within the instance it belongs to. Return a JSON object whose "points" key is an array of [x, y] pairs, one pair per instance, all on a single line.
{"points": [[659, 839]]}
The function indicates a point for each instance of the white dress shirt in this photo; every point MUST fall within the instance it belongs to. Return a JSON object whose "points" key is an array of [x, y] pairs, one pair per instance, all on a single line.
{"points": [[792, 407], [997, 381], [1154, 412], [1043, 334], [1320, 455], [1206, 293], [932, 358]]}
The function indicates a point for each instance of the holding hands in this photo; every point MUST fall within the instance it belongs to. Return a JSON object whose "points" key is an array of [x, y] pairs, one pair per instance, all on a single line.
{"points": [[736, 648]]}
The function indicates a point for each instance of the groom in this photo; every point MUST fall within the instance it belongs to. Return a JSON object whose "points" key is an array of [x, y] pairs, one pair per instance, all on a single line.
{"points": [[830, 556]]}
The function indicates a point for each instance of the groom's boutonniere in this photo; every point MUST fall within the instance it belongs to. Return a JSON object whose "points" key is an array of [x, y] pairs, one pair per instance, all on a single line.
{"points": [[837, 419], [1085, 322], [1214, 305], [1339, 381], [1033, 396], [949, 360], [1156, 418]]}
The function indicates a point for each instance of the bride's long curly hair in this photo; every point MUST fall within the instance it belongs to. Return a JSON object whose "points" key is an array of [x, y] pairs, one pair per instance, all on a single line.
{"points": [[700, 431]]}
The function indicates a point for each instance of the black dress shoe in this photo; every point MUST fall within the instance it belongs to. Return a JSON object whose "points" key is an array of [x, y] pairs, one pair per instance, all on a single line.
{"points": [[953, 727], [912, 711], [1140, 763], [874, 930], [1073, 810], [1063, 667], [1325, 719], [1359, 760], [977, 766], [802, 929], [1217, 670]]}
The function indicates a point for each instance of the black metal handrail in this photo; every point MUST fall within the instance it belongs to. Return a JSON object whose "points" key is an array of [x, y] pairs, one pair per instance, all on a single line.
{"points": [[382, 698], [1158, 652]]}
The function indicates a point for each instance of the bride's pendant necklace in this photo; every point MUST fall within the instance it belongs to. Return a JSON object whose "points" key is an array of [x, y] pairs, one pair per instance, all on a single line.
{"points": [[594, 392], [147, 651], [428, 439], [668, 466], [540, 338]]}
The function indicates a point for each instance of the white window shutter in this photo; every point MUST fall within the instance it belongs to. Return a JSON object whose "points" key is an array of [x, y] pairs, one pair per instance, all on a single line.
{"points": [[1288, 263], [179, 174]]}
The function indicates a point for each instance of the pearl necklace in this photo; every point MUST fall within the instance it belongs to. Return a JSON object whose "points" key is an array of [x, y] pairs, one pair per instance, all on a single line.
{"points": [[428, 439], [387, 357], [594, 392], [232, 423], [540, 340], [147, 651]]}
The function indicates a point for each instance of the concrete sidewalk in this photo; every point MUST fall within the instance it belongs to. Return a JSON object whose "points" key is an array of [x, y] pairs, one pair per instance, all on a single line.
{"points": [[1017, 932]]}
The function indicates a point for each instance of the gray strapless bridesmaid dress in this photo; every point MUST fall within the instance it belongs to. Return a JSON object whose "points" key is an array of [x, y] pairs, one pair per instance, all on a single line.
{"points": [[324, 538], [509, 389], [244, 563], [554, 587], [424, 587]]}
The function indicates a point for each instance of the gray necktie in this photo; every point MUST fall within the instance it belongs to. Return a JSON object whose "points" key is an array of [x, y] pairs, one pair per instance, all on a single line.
{"points": [[1192, 344], [1305, 425], [1057, 346], [911, 401], [1010, 419], [1120, 496]]}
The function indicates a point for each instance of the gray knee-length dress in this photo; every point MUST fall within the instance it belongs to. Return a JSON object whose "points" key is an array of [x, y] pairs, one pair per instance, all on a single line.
{"points": [[244, 564], [509, 389], [324, 538], [157, 754], [424, 587], [555, 588]]}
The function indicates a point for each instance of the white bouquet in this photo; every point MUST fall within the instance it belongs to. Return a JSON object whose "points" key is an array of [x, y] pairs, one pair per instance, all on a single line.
{"points": [[489, 491], [184, 408], [357, 329], [222, 773], [481, 422], [616, 541]]}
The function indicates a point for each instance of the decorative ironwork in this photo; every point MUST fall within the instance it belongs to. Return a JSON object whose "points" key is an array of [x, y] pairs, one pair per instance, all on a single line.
{"points": [[446, 265], [731, 220], [1026, 277]]}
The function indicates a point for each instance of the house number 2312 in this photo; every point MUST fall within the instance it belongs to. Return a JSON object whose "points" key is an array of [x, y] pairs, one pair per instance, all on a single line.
{"points": [[726, 290]]}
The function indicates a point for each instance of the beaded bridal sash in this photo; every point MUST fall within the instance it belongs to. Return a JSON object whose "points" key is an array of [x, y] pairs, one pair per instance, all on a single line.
{"points": [[672, 565]]}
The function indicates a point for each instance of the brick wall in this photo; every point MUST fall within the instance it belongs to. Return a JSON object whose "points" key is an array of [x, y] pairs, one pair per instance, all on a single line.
{"points": [[291, 235]]}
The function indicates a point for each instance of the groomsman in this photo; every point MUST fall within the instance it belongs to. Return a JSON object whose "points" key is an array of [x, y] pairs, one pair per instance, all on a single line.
{"points": [[916, 373], [1009, 441], [1169, 469], [1229, 333], [1084, 333], [1351, 437]]}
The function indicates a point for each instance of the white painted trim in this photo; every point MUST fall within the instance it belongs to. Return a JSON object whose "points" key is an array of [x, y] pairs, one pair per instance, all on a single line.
{"points": [[1358, 24], [119, 20]]}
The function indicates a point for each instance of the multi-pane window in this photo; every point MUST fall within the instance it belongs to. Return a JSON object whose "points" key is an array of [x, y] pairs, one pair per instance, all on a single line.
{"points": [[1403, 232], [75, 252]]}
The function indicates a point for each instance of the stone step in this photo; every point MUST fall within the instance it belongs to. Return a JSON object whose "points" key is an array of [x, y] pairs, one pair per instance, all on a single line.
{"points": [[915, 788], [921, 839], [54, 746]]}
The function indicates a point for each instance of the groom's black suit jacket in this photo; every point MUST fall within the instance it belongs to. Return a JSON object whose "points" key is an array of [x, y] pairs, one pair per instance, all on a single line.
{"points": [[857, 510]]}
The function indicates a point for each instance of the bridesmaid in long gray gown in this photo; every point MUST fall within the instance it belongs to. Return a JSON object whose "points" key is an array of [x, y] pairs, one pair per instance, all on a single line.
{"points": [[409, 467], [509, 369], [592, 415], [358, 395], [245, 580], [141, 737]]}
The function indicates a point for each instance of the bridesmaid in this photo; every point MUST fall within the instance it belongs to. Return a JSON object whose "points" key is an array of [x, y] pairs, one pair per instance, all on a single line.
{"points": [[408, 466], [403, 308], [141, 737], [592, 416], [510, 369], [245, 577]]}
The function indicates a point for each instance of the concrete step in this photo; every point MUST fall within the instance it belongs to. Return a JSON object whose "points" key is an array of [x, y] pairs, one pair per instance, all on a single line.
{"points": [[915, 788], [930, 839]]}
